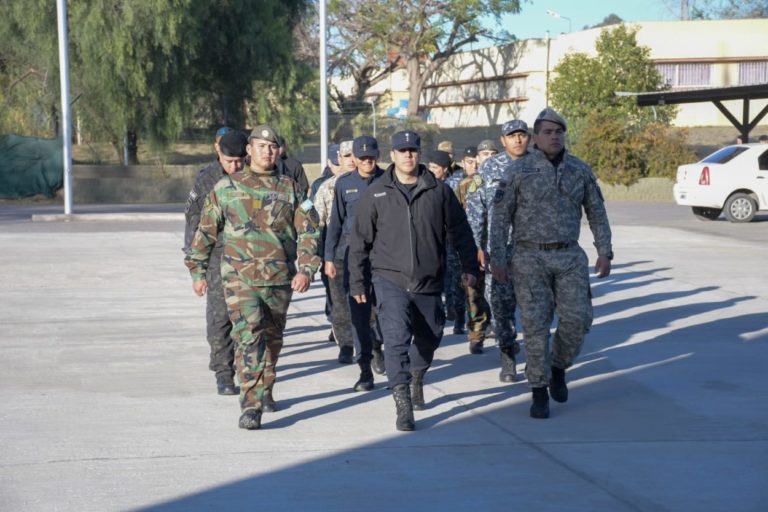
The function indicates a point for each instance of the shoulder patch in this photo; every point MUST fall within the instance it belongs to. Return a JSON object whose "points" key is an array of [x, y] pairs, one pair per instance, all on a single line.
{"points": [[499, 195], [307, 205]]}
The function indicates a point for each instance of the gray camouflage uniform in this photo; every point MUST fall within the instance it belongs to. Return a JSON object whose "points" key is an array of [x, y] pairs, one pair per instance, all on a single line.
{"points": [[218, 324], [542, 203], [501, 296]]}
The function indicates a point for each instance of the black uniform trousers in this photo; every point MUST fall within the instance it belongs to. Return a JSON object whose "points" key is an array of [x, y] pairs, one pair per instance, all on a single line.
{"points": [[412, 328], [219, 327]]}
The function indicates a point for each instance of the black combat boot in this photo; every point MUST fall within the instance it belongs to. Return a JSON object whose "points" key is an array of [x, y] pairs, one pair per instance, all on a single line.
{"points": [[268, 402], [365, 383], [250, 419], [476, 347], [417, 390], [557, 388], [508, 371], [402, 395], [225, 385], [540, 406], [378, 359], [458, 325], [346, 355]]}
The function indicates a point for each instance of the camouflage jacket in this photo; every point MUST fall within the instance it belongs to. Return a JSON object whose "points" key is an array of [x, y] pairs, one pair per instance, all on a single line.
{"points": [[543, 203], [264, 226], [478, 207], [468, 187], [324, 199]]}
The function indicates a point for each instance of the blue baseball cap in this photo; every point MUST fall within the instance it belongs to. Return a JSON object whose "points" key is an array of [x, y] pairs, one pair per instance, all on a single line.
{"points": [[406, 140], [333, 154], [223, 131], [365, 145], [515, 125]]}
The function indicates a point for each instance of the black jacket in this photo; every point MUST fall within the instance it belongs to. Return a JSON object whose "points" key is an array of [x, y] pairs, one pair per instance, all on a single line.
{"points": [[204, 183], [404, 242], [289, 166]]}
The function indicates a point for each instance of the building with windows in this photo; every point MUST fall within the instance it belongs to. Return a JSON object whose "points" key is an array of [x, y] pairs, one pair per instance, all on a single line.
{"points": [[491, 85]]}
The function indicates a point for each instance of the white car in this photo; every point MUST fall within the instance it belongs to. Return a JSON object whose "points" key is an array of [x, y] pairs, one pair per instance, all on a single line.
{"points": [[732, 180]]}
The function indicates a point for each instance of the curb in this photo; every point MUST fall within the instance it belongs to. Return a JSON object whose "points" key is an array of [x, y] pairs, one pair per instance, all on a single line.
{"points": [[107, 217]]}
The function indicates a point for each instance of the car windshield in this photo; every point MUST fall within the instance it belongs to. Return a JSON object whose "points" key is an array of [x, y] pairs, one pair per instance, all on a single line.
{"points": [[724, 155]]}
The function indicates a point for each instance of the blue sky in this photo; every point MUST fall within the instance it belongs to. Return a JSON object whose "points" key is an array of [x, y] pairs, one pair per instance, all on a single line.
{"points": [[532, 21]]}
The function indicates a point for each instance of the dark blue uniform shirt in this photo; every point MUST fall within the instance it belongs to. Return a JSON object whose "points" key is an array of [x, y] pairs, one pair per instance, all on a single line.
{"points": [[349, 189]]}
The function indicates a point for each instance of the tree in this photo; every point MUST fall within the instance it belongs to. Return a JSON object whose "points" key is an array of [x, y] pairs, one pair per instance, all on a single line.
{"points": [[622, 141], [137, 66], [727, 9], [418, 36], [611, 19], [29, 82], [585, 84]]}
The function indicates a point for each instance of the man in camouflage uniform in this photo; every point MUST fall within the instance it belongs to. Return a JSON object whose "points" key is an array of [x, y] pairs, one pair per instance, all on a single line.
{"points": [[456, 298], [218, 327], [541, 198], [440, 165], [341, 316], [479, 312], [267, 232], [501, 296]]}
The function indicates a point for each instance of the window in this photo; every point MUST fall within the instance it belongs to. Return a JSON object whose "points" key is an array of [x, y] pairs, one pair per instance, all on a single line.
{"points": [[686, 74], [755, 72], [725, 155]]}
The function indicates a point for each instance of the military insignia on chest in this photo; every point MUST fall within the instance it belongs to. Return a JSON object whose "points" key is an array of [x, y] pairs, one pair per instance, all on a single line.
{"points": [[350, 191]]}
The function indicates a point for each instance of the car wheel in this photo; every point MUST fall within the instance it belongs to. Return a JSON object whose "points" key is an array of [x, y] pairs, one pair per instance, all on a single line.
{"points": [[702, 213], [740, 208]]}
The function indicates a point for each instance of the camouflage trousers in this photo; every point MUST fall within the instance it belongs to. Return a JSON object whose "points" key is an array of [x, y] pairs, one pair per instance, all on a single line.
{"points": [[547, 282], [218, 325], [341, 316], [478, 311], [455, 297], [258, 315], [501, 297]]}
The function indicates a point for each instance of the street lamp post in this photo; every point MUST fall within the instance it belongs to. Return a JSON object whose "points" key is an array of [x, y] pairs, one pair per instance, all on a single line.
{"points": [[373, 111], [558, 15]]}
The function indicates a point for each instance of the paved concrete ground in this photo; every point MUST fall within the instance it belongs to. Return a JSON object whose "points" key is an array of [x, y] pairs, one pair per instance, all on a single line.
{"points": [[106, 402]]}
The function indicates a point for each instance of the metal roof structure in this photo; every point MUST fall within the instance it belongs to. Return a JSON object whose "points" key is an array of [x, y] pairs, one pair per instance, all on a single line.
{"points": [[716, 95]]}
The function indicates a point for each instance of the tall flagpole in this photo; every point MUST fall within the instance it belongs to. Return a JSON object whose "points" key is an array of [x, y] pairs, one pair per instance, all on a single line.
{"points": [[66, 115], [323, 90]]}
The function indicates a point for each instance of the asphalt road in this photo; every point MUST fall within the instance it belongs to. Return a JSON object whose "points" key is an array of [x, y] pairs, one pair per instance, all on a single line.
{"points": [[106, 402]]}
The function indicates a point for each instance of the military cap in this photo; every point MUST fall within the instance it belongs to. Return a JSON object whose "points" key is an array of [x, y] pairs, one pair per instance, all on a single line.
{"points": [[515, 125], [406, 140], [441, 158], [345, 148], [365, 145], [487, 145], [470, 151], [264, 132], [333, 154], [446, 146], [549, 114], [222, 131], [233, 143]]}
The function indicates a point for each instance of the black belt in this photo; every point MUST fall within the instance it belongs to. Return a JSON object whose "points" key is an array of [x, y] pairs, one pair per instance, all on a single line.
{"points": [[554, 246]]}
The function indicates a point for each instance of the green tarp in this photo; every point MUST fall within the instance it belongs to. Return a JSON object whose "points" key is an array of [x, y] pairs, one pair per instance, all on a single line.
{"points": [[30, 166]]}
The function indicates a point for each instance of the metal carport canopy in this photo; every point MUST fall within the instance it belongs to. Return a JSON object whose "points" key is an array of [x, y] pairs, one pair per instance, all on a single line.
{"points": [[716, 95]]}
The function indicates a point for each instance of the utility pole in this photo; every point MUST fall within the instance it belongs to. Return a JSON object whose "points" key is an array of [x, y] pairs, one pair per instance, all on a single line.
{"points": [[66, 113]]}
